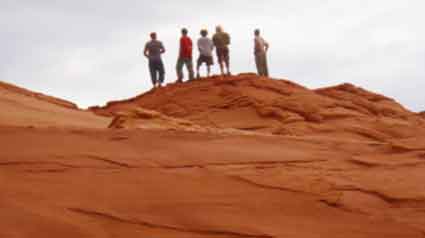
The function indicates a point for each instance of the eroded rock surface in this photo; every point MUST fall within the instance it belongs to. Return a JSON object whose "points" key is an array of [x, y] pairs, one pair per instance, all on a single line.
{"points": [[23, 108], [241, 157], [128, 183], [250, 103]]}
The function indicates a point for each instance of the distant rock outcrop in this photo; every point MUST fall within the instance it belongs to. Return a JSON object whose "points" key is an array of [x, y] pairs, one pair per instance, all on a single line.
{"points": [[40, 96], [21, 107], [250, 103]]}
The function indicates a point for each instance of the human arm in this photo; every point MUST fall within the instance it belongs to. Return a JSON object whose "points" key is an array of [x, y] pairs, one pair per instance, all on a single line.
{"points": [[257, 45], [228, 39], [266, 45], [190, 44], [145, 51], [162, 49], [199, 45], [214, 40]]}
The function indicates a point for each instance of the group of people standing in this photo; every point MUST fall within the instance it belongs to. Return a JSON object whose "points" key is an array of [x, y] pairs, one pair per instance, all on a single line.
{"points": [[220, 41]]}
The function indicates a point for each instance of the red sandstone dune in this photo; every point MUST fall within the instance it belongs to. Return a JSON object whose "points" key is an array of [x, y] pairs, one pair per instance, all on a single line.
{"points": [[280, 107], [20, 107], [242, 157]]}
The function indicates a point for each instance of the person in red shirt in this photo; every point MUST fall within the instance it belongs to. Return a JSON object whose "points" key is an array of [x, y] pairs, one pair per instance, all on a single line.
{"points": [[185, 57]]}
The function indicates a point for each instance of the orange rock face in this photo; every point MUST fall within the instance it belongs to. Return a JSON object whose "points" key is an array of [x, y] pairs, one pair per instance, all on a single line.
{"points": [[9, 88], [241, 157], [247, 102], [23, 108]]}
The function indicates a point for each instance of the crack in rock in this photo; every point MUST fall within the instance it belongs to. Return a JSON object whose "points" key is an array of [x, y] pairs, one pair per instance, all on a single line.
{"points": [[115, 218], [20, 163], [264, 186], [46, 171], [340, 206], [109, 161], [242, 163], [64, 167], [382, 196], [372, 165]]}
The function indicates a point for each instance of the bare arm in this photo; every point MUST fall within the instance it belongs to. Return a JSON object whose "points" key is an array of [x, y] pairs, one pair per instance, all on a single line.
{"points": [[257, 46], [214, 39], [145, 51], [162, 49]]}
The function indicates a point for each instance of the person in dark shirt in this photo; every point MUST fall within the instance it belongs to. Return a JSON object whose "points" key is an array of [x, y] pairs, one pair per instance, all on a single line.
{"points": [[153, 51], [185, 57]]}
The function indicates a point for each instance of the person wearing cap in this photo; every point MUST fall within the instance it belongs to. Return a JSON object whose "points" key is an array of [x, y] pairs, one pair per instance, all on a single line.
{"points": [[205, 46], [153, 51], [260, 51], [221, 41], [185, 56]]}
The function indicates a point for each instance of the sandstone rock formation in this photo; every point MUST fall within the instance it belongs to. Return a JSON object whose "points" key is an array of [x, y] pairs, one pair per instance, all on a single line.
{"points": [[9, 88], [139, 118], [281, 107], [242, 157], [23, 108]]}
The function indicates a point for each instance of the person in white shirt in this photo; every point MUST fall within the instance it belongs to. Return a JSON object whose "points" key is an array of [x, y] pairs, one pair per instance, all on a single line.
{"points": [[260, 51], [206, 47]]}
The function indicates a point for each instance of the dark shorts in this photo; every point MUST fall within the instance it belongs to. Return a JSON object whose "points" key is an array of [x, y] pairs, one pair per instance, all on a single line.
{"points": [[205, 59], [223, 54]]}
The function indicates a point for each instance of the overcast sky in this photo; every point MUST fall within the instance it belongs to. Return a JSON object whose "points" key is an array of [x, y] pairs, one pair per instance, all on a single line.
{"points": [[90, 51]]}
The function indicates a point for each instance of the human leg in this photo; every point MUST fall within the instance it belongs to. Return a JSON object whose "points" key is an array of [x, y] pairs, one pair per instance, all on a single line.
{"points": [[198, 67], [161, 72], [220, 60], [189, 66], [152, 71], [266, 66], [258, 64], [227, 60], [179, 70]]}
